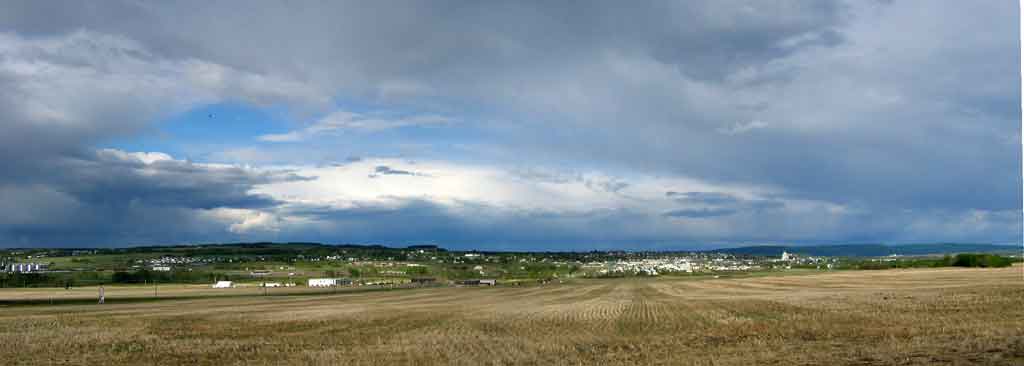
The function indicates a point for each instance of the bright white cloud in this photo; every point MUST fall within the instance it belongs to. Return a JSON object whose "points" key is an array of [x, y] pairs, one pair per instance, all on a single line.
{"points": [[245, 221], [144, 157], [350, 199], [449, 184]]}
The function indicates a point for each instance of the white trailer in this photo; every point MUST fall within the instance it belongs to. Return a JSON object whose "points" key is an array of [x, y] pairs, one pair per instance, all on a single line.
{"points": [[322, 282]]}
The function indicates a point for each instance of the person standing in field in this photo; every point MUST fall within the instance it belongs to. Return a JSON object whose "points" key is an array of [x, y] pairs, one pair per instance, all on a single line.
{"points": [[102, 297]]}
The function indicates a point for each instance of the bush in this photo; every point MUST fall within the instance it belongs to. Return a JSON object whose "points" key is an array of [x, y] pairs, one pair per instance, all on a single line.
{"points": [[417, 271], [147, 276], [875, 265], [981, 260]]}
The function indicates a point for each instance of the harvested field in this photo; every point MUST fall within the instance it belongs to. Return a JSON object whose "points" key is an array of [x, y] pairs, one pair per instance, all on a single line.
{"points": [[932, 316], [140, 292]]}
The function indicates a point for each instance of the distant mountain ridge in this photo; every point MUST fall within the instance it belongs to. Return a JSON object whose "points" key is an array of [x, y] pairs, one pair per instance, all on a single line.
{"points": [[871, 250]]}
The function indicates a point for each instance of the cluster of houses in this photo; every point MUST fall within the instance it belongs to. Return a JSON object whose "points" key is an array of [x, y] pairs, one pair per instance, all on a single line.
{"points": [[787, 260], [727, 264], [648, 267], [167, 261], [657, 266]]}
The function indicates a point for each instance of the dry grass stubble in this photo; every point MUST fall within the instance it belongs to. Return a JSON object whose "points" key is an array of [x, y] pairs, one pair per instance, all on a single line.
{"points": [[942, 316]]}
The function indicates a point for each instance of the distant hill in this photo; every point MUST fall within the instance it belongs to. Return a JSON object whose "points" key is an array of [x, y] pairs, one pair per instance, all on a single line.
{"points": [[871, 250]]}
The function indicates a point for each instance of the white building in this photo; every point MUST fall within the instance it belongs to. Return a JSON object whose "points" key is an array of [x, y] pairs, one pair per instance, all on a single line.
{"points": [[162, 268], [224, 284], [271, 284], [786, 256], [322, 282], [25, 267]]}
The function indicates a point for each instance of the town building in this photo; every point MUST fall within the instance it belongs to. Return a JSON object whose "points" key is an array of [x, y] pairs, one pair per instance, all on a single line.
{"points": [[322, 282]]}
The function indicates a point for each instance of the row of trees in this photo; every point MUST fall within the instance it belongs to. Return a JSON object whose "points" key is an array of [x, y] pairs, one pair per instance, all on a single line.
{"points": [[979, 260], [959, 260], [60, 279], [147, 276], [92, 278]]}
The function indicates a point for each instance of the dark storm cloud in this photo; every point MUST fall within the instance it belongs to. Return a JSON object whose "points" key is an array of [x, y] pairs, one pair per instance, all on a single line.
{"points": [[109, 177], [111, 197], [761, 32]]}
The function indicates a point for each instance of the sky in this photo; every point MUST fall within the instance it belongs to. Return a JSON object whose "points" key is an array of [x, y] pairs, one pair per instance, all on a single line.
{"points": [[517, 125]]}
